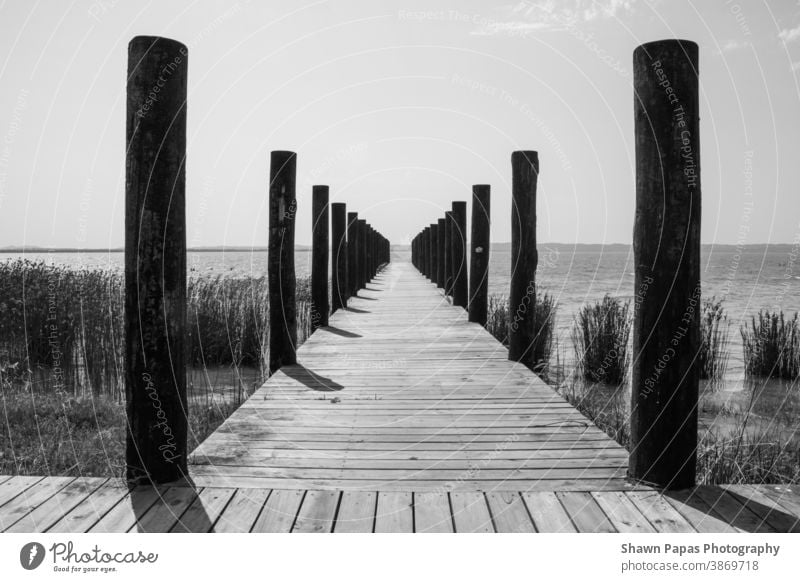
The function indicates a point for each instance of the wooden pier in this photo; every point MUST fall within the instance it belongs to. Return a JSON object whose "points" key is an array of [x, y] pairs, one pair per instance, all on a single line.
{"points": [[400, 416]]}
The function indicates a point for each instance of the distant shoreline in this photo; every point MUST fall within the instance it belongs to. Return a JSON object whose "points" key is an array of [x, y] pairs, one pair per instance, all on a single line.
{"points": [[503, 245]]}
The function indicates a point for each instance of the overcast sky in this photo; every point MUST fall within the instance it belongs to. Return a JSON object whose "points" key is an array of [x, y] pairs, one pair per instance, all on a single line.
{"points": [[400, 107]]}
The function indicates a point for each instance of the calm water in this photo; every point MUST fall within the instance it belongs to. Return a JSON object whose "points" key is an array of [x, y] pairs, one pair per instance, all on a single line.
{"points": [[748, 278]]}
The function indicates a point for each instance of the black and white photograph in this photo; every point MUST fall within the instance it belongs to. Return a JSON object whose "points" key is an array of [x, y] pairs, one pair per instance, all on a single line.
{"points": [[525, 267]]}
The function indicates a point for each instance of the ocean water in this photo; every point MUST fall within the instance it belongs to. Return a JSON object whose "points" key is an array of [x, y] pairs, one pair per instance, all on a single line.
{"points": [[747, 278]]}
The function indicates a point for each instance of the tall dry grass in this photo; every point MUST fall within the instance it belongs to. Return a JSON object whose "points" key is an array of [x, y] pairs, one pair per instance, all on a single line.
{"points": [[544, 313], [62, 328], [600, 340], [772, 346], [713, 355]]}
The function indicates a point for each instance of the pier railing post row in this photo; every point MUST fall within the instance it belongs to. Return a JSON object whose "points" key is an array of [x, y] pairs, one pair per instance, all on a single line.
{"points": [[666, 245], [479, 255], [339, 255], [155, 262], [281, 274], [434, 248], [440, 241], [319, 257], [522, 330], [352, 254], [460, 284]]}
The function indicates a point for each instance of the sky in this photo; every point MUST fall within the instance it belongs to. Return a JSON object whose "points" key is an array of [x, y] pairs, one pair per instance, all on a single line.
{"points": [[399, 107]]}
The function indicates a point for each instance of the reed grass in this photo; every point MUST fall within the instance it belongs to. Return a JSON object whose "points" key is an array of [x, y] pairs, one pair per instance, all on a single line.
{"points": [[771, 345], [45, 434], [751, 449], [544, 314], [600, 340], [62, 329], [713, 355]]}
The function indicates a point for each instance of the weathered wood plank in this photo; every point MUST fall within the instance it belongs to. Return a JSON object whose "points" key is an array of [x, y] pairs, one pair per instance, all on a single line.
{"points": [[317, 512], [125, 515], [547, 512], [204, 511], [29, 499], [432, 513], [279, 512], [470, 512], [661, 515], [509, 512], [585, 513], [242, 511], [50, 511], [356, 512], [394, 512]]}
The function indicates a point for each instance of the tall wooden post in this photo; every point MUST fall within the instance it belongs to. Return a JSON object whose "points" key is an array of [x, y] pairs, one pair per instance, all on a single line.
{"points": [[524, 258], [440, 242], [479, 256], [460, 283], [666, 246], [339, 257], [319, 257], [434, 251], [425, 252], [281, 275], [155, 262], [352, 254], [362, 253], [448, 253]]}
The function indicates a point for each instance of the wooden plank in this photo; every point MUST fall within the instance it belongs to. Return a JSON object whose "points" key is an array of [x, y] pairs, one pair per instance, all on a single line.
{"points": [[279, 512], [242, 511], [585, 512], [167, 510], [125, 514], [317, 512], [394, 513], [14, 486], [49, 512], [30, 498], [470, 512], [509, 512], [622, 513], [356, 512], [92, 509], [204, 511], [697, 512], [784, 495], [773, 513], [547, 512], [732, 511], [432, 513], [661, 515]]}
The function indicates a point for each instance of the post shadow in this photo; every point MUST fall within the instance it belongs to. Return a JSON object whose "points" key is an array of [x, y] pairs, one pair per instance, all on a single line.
{"points": [[311, 379]]}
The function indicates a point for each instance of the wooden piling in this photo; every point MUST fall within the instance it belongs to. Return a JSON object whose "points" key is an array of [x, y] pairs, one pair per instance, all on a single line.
{"points": [[440, 254], [281, 275], [666, 245], [352, 254], [339, 255], [460, 283], [479, 255], [155, 261], [522, 330], [434, 252], [319, 257], [362, 253], [448, 253]]}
